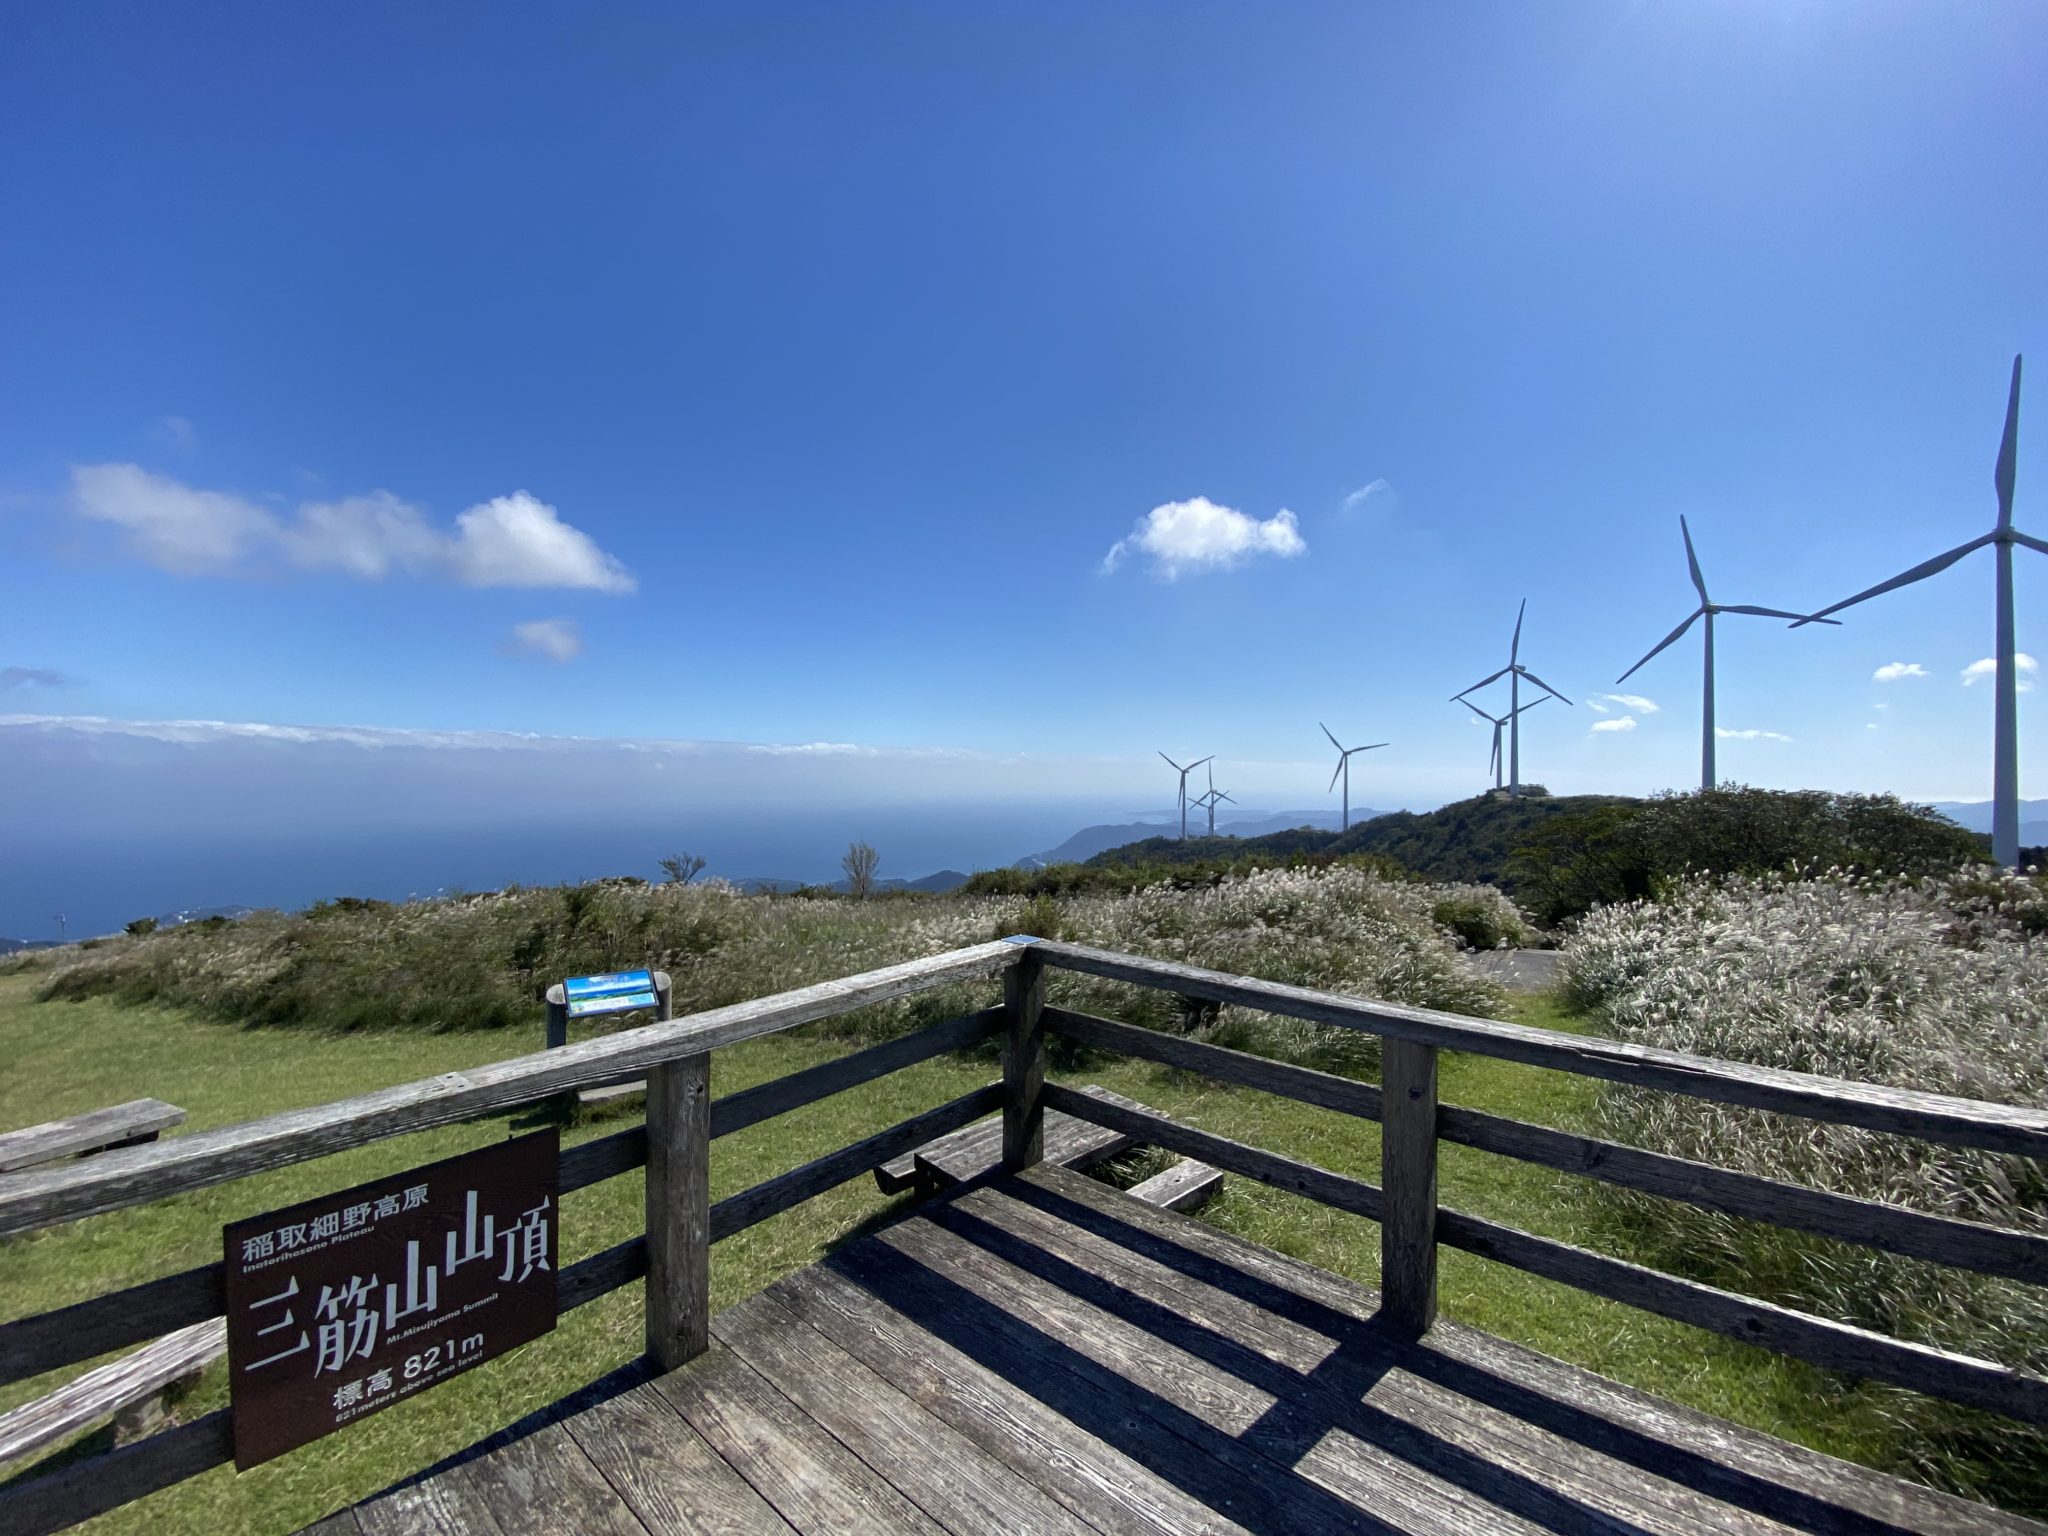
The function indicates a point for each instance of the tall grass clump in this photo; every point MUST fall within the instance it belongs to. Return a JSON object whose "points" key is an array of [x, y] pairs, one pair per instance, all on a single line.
{"points": [[1339, 929], [484, 962], [1937, 983]]}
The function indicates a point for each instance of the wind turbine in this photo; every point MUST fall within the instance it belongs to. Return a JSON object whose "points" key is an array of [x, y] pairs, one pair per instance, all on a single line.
{"points": [[2005, 750], [1344, 756], [1499, 723], [1184, 772], [1514, 672], [1211, 799], [1706, 610]]}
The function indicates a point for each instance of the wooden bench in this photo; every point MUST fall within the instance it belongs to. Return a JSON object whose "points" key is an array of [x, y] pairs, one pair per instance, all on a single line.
{"points": [[129, 1390], [976, 1149], [122, 1125]]}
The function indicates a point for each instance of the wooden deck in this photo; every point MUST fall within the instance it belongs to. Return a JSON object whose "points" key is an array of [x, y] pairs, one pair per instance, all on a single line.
{"points": [[1040, 1353]]}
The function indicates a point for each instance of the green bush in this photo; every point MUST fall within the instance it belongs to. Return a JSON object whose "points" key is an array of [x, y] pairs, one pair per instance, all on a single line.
{"points": [[141, 926], [1625, 851]]}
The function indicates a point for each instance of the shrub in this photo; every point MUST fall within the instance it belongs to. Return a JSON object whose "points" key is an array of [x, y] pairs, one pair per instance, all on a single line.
{"points": [[1622, 852], [1480, 916], [1934, 982], [141, 926]]}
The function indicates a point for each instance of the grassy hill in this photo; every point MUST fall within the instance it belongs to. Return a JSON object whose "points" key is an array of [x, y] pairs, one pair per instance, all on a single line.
{"points": [[1469, 841]]}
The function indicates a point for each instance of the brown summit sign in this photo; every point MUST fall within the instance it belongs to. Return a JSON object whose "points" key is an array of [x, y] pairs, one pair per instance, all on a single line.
{"points": [[352, 1302]]}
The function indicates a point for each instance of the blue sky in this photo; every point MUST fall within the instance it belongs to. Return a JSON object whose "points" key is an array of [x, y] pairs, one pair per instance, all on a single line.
{"points": [[788, 374]]}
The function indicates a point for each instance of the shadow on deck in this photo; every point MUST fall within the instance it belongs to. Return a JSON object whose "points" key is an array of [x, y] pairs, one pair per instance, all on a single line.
{"points": [[1042, 1353]]}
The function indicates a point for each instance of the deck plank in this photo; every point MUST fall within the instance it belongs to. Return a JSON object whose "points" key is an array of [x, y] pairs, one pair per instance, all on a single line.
{"points": [[1053, 1352], [436, 1506], [940, 1470], [813, 1481], [1084, 1472], [543, 1483], [1743, 1467], [1348, 1378], [1198, 1383], [673, 1482]]}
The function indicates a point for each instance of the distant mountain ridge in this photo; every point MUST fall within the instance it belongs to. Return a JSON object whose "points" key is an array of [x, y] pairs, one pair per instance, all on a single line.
{"points": [[1467, 840], [1090, 841], [1976, 815]]}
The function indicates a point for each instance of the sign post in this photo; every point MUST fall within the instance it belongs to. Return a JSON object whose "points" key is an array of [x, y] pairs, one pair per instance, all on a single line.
{"points": [[342, 1306]]}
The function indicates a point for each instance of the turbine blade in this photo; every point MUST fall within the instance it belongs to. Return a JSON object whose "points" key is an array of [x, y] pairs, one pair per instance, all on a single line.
{"points": [[1773, 613], [1699, 582], [1515, 645], [2008, 450], [1199, 761], [2031, 542], [1493, 762], [1373, 748], [1482, 714], [1530, 705], [1542, 684], [1222, 795], [1919, 572], [1667, 640], [1337, 775], [1490, 677], [1333, 740], [1176, 767]]}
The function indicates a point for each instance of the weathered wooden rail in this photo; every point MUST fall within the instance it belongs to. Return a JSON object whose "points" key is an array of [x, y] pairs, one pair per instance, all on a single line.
{"points": [[683, 1119]]}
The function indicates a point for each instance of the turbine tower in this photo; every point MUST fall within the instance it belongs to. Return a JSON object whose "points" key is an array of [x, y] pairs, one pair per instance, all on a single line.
{"points": [[1184, 772], [1514, 672], [2005, 751], [1344, 756], [1706, 610], [1214, 797], [1493, 763]]}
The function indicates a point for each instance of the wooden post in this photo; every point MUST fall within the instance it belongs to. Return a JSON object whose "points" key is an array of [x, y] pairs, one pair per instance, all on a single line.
{"points": [[1024, 1063], [1408, 1177], [679, 1210], [558, 1016], [664, 997]]}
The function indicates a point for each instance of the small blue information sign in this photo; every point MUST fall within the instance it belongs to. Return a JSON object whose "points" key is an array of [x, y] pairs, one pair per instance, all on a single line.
{"points": [[618, 992]]}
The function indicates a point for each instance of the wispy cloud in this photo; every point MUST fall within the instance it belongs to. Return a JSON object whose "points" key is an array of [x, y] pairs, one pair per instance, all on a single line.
{"points": [[1618, 723], [174, 432], [1725, 734], [12, 678], [1198, 535], [1364, 494], [508, 541], [554, 639], [1634, 703], [1892, 671], [1976, 671]]}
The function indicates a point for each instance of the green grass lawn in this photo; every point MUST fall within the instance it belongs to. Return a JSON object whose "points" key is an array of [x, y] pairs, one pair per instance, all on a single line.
{"points": [[64, 1057]]}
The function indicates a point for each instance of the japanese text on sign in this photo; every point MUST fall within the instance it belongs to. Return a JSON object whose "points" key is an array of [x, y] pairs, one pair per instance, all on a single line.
{"points": [[341, 1306]]}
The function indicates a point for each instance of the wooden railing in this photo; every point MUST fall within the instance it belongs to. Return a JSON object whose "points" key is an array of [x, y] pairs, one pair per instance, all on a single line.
{"points": [[683, 1222]]}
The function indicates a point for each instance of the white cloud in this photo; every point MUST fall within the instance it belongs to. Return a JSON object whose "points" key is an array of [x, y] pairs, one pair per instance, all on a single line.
{"points": [[555, 639], [172, 526], [509, 541], [518, 541], [1634, 703], [1364, 494], [1619, 723], [1725, 734], [1892, 671], [1199, 535], [1988, 667]]}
